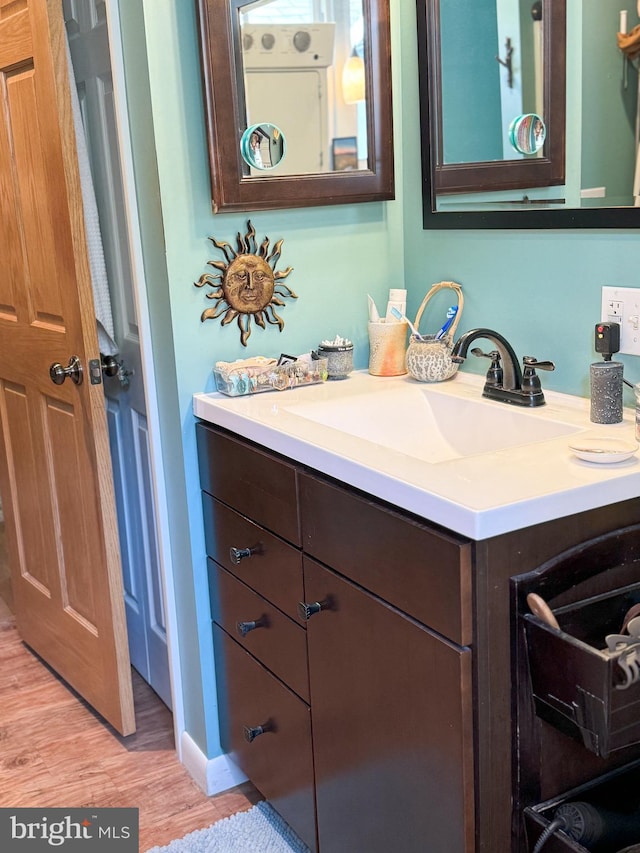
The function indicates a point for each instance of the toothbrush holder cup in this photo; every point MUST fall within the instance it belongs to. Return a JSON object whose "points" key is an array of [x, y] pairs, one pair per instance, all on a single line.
{"points": [[429, 357], [387, 347]]}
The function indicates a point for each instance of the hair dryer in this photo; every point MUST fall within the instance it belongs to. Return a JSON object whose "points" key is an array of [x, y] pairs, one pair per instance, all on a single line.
{"points": [[599, 830]]}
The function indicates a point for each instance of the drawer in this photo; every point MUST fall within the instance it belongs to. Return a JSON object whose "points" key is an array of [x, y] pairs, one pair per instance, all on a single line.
{"points": [[578, 685], [274, 568], [255, 483], [278, 761], [609, 806], [420, 571], [277, 642]]}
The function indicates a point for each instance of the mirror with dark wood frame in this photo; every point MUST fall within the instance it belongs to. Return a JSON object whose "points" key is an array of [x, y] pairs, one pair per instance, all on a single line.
{"points": [[356, 160], [565, 184]]}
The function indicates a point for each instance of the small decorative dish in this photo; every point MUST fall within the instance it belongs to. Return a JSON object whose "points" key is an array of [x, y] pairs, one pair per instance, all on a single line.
{"points": [[596, 448]]}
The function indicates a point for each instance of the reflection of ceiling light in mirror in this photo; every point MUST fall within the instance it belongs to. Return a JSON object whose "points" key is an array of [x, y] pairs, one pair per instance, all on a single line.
{"points": [[353, 79], [356, 30]]}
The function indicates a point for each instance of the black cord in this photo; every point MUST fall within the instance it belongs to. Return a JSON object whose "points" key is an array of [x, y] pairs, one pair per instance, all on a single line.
{"points": [[556, 823]]}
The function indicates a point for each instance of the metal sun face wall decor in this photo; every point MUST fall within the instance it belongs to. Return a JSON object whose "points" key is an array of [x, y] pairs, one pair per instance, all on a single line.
{"points": [[247, 285]]}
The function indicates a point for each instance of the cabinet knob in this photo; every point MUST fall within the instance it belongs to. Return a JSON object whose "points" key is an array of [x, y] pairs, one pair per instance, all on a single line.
{"points": [[237, 555], [243, 628], [306, 611], [252, 732]]}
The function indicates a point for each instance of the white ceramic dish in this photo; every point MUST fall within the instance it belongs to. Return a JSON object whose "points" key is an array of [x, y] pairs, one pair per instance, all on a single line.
{"points": [[603, 450]]}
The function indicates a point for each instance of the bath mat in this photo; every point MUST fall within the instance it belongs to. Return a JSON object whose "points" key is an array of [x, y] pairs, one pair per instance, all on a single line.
{"points": [[258, 830]]}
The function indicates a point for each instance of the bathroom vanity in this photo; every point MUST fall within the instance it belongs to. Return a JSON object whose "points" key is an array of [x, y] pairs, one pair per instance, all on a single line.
{"points": [[366, 611]]}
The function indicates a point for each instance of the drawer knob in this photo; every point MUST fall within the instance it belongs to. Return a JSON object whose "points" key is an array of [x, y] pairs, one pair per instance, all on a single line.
{"points": [[243, 628], [237, 555], [252, 732], [306, 611]]}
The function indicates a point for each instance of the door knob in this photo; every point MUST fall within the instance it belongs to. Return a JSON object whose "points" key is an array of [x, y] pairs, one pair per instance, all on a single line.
{"points": [[109, 365], [58, 373]]}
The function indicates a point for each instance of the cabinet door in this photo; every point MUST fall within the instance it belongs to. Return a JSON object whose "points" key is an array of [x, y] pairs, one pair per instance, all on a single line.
{"points": [[392, 726]]}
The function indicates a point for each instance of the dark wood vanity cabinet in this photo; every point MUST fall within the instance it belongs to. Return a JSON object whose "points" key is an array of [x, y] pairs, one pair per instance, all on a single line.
{"points": [[396, 707], [365, 706]]}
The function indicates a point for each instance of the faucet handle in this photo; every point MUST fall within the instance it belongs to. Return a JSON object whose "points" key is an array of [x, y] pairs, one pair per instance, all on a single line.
{"points": [[495, 374], [531, 387], [532, 364], [493, 355]]}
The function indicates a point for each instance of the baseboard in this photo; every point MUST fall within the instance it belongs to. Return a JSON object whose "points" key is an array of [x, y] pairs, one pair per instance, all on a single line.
{"points": [[212, 775]]}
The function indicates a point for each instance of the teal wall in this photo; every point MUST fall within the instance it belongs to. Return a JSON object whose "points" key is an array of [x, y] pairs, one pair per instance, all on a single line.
{"points": [[609, 97], [338, 255], [527, 62], [541, 289], [472, 120]]}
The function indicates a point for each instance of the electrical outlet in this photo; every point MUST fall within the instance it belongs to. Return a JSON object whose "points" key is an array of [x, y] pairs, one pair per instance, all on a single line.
{"points": [[622, 305]]}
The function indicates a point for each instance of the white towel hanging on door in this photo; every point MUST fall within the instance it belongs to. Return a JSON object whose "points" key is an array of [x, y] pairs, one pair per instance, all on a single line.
{"points": [[636, 180], [99, 281]]}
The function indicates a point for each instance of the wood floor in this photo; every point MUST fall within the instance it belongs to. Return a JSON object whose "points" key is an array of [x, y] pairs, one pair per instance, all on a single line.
{"points": [[55, 751]]}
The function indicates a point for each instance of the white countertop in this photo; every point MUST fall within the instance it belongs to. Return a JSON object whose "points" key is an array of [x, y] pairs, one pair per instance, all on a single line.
{"points": [[478, 496]]}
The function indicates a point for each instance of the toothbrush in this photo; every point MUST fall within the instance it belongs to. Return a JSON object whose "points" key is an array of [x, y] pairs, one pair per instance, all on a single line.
{"points": [[373, 311], [400, 316], [451, 313]]}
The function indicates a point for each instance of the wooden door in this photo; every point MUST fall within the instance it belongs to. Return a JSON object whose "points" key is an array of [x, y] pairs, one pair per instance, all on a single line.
{"points": [[55, 473], [125, 393], [392, 726]]}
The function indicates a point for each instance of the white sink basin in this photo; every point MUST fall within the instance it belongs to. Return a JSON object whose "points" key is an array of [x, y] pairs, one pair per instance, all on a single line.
{"points": [[478, 467], [430, 424]]}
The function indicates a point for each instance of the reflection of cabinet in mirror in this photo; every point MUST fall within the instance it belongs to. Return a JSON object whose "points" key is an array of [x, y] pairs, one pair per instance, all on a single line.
{"points": [[263, 62]]}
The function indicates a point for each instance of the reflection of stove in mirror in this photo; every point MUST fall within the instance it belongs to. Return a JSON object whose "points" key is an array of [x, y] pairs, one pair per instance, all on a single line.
{"points": [[286, 75]]}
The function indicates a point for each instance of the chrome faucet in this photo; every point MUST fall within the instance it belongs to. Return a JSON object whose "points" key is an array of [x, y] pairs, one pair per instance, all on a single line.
{"points": [[505, 380]]}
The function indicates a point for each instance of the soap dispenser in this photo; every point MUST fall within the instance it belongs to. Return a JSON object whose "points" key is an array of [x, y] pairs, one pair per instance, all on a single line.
{"points": [[606, 377]]}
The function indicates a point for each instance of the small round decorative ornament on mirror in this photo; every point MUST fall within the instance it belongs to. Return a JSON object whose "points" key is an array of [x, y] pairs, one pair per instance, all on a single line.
{"points": [[263, 146], [527, 133]]}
